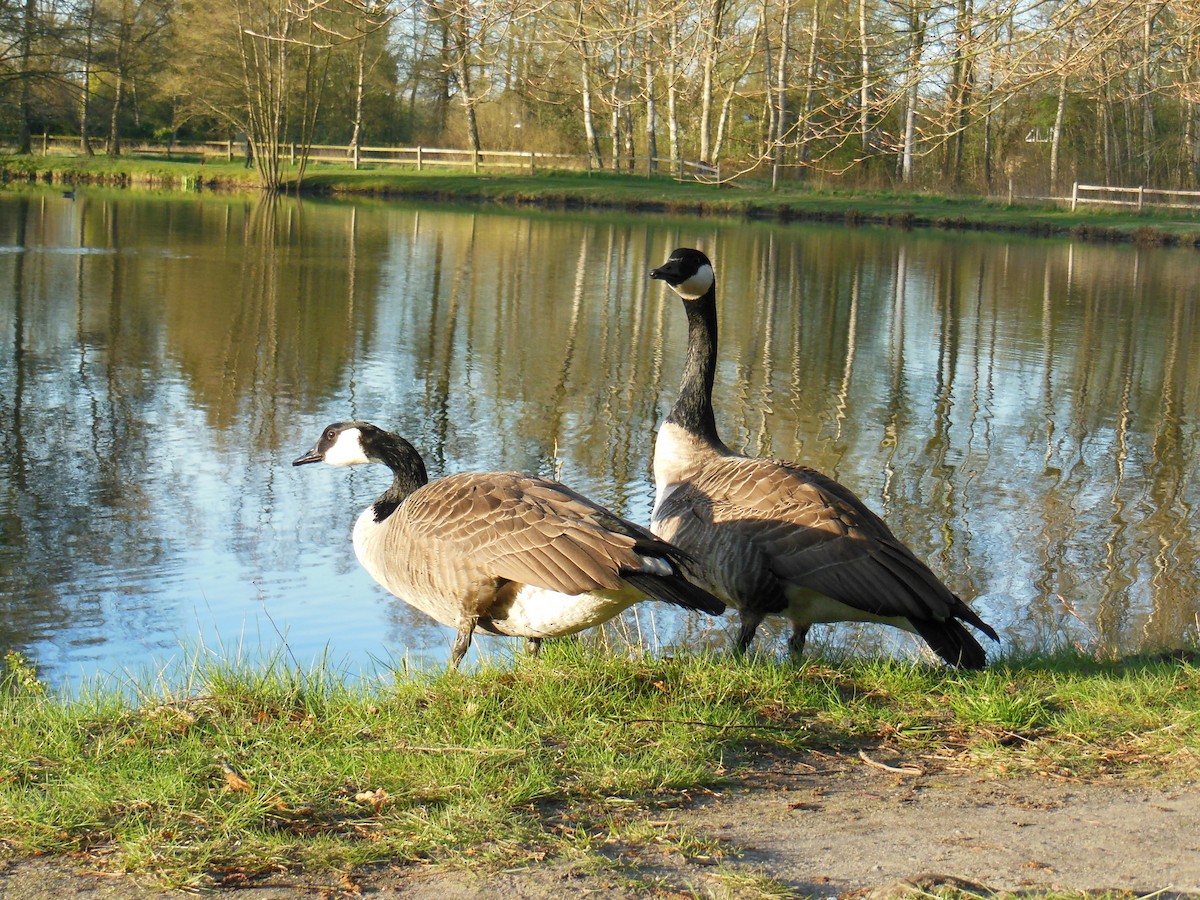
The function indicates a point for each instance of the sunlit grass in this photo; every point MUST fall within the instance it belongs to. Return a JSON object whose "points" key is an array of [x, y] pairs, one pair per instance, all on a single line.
{"points": [[253, 768]]}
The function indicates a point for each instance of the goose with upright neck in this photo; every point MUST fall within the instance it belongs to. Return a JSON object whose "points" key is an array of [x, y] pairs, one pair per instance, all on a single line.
{"points": [[771, 537], [506, 553]]}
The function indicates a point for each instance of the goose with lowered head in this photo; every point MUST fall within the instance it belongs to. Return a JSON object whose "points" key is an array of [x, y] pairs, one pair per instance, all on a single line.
{"points": [[505, 553], [775, 538]]}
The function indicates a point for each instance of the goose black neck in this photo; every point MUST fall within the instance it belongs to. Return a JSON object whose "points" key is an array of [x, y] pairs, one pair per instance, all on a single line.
{"points": [[408, 469], [693, 407]]}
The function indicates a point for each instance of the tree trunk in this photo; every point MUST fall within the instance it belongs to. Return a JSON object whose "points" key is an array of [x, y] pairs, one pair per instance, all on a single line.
{"points": [[25, 138], [462, 71], [864, 89], [589, 121], [114, 122], [769, 108], [1147, 87], [615, 105], [1056, 135], [85, 93], [585, 63], [988, 111], [706, 106], [441, 110], [916, 47], [651, 121], [359, 82], [1191, 141], [672, 91], [781, 111], [710, 28], [960, 91], [1193, 145], [810, 85], [627, 132], [727, 103], [1060, 114]]}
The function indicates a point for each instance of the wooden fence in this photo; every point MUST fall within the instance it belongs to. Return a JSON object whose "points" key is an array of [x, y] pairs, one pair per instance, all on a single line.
{"points": [[1134, 197], [419, 157]]}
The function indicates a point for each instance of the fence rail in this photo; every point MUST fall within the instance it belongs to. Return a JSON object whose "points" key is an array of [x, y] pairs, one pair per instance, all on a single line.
{"points": [[1135, 197], [419, 157]]}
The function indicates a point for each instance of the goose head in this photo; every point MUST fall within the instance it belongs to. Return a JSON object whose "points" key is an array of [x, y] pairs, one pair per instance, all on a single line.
{"points": [[342, 444], [688, 273], [356, 443]]}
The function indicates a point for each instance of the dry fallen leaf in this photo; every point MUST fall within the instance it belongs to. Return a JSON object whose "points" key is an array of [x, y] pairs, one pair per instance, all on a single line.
{"points": [[375, 798], [233, 780]]}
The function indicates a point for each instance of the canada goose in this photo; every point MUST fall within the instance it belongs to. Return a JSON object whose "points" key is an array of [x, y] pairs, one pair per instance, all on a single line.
{"points": [[511, 554], [773, 537]]}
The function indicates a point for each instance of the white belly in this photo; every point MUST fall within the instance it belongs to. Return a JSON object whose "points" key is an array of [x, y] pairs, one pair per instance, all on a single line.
{"points": [[537, 612]]}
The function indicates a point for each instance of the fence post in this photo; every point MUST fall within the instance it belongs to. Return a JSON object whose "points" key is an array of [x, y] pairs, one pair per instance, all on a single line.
{"points": [[531, 161], [474, 160], [1141, 196], [420, 159], [45, 143], [1074, 195], [229, 150], [356, 157]]}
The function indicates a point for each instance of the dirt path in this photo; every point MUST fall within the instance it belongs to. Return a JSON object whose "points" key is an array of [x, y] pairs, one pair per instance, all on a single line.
{"points": [[860, 828], [843, 826]]}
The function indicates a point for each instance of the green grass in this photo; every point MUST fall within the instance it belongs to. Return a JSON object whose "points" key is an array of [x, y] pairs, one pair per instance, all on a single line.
{"points": [[634, 193], [128, 171], [250, 769]]}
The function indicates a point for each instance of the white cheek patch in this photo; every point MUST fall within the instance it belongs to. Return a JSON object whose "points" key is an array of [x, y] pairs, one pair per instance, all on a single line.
{"points": [[696, 286], [346, 450]]}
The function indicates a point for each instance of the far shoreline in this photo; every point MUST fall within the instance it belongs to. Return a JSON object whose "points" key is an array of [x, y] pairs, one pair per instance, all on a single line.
{"points": [[629, 193]]}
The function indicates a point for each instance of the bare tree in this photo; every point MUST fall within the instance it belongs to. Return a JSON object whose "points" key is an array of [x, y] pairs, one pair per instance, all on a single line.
{"points": [[28, 25], [260, 66], [464, 35], [915, 15], [88, 14], [711, 20], [129, 43]]}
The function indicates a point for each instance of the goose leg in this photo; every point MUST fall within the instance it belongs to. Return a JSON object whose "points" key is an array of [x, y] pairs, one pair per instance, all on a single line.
{"points": [[462, 641], [750, 623], [796, 641], [534, 646]]}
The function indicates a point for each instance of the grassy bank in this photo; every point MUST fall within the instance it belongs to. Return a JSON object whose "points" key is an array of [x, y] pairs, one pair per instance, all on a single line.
{"points": [[610, 191], [253, 769]]}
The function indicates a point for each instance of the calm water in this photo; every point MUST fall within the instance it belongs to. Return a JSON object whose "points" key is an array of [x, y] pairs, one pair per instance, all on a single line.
{"points": [[1023, 412]]}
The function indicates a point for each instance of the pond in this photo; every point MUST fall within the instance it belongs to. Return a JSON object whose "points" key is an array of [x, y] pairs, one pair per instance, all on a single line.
{"points": [[1022, 412]]}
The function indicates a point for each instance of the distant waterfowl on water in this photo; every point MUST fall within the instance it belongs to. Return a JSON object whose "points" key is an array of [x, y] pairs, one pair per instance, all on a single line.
{"points": [[775, 538], [506, 553]]}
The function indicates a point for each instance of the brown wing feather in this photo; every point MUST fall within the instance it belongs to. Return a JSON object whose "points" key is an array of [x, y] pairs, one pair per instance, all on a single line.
{"points": [[810, 531], [534, 531]]}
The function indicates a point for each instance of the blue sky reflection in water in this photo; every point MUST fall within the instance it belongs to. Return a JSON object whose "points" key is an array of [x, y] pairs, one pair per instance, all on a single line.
{"points": [[1023, 413]]}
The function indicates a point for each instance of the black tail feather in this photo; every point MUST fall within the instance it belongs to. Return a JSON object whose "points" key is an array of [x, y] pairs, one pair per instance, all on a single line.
{"points": [[676, 590], [952, 642]]}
